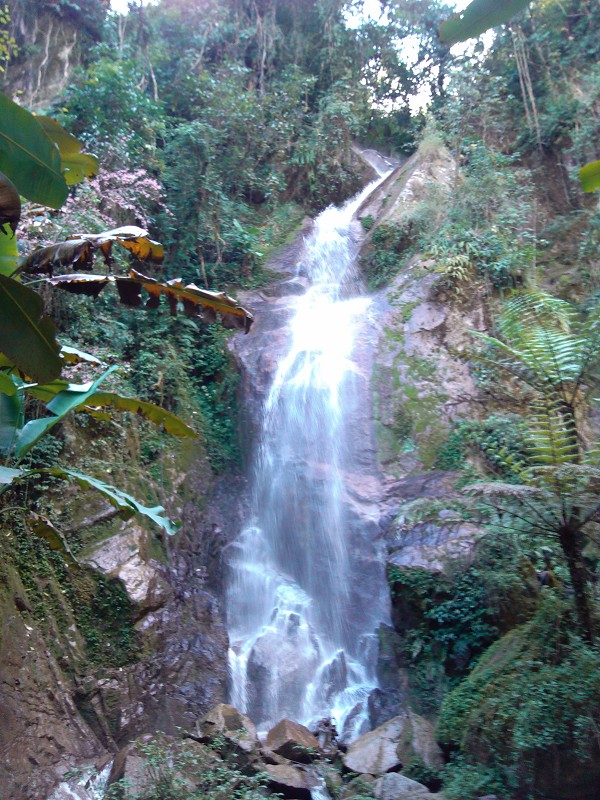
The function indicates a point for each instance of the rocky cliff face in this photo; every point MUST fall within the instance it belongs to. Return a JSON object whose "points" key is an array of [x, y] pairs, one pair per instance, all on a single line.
{"points": [[51, 39], [61, 707]]}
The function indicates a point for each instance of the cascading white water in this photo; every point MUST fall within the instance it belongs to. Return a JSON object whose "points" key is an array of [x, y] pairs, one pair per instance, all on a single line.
{"points": [[306, 591]]}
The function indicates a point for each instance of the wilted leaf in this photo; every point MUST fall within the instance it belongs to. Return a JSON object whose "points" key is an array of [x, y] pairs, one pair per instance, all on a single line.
{"points": [[589, 176], [27, 337], [73, 253], [170, 422], [10, 204], [78, 251], [77, 166], [130, 236], [90, 285], [478, 17], [44, 529], [193, 298], [196, 302], [28, 157]]}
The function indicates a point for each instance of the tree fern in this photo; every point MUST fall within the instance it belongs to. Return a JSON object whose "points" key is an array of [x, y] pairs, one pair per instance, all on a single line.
{"points": [[544, 344]]}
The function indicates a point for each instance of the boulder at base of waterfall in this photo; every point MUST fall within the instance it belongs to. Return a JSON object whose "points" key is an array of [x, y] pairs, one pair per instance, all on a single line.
{"points": [[399, 787], [135, 767], [225, 720], [393, 745], [294, 783], [294, 741]]}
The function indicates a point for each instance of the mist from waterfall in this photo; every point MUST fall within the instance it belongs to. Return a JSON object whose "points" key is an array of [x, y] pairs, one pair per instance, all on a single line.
{"points": [[305, 588]]}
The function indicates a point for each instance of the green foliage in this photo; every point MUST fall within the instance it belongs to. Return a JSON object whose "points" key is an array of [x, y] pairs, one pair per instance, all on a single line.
{"points": [[8, 46], [465, 779], [109, 107], [388, 247], [450, 619], [63, 600], [487, 229], [499, 440], [534, 695], [106, 621]]}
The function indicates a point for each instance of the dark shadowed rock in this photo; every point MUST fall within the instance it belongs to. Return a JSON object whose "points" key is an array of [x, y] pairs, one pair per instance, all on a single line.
{"points": [[292, 782], [292, 740]]}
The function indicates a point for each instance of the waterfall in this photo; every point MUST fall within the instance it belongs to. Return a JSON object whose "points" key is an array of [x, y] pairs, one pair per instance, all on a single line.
{"points": [[306, 589]]}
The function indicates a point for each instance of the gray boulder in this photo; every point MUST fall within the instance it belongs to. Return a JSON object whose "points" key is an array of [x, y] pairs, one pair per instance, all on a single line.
{"points": [[393, 745], [399, 787]]}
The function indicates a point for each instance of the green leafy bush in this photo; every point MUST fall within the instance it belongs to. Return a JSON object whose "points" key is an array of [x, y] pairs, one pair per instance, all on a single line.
{"points": [[531, 706]]}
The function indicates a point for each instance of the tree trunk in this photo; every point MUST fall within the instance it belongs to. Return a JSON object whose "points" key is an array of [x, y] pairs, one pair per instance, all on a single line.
{"points": [[570, 541]]}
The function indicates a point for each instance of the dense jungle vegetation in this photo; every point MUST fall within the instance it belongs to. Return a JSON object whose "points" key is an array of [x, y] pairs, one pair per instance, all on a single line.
{"points": [[218, 126]]}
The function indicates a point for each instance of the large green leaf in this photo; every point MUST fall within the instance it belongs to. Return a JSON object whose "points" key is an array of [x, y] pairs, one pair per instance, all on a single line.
{"points": [[77, 166], [478, 17], [125, 503], [170, 422], [28, 157], [60, 405], [10, 419], [589, 176], [9, 254], [8, 476], [27, 336]]}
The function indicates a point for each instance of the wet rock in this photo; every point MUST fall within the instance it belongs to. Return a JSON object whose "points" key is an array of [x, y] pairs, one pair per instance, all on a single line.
{"points": [[225, 720], [426, 317], [399, 787], [292, 782], [276, 660], [41, 732], [292, 740], [393, 745], [285, 288], [432, 546]]}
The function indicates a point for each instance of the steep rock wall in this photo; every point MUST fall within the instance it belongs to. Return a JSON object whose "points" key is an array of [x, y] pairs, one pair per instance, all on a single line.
{"points": [[52, 40], [69, 695]]}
